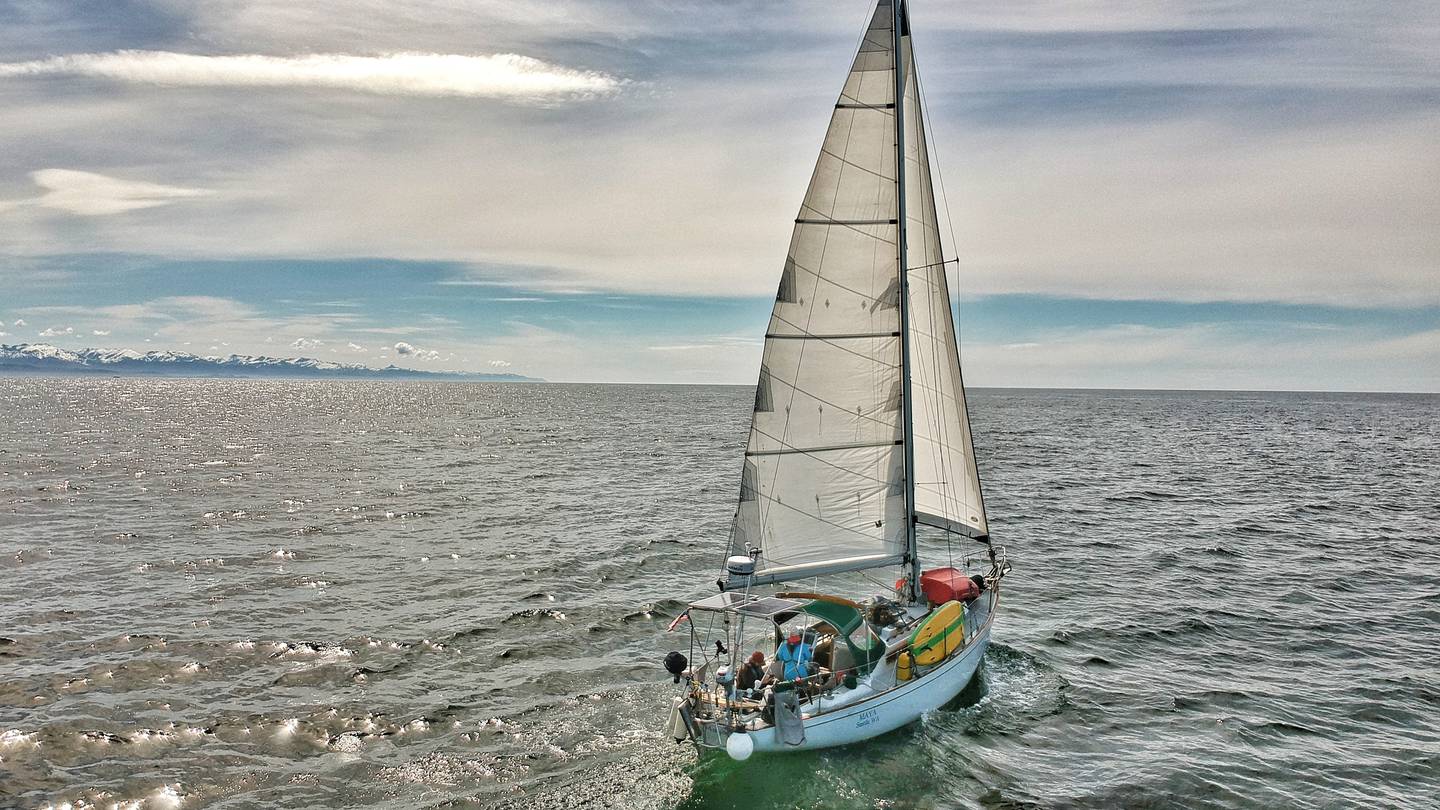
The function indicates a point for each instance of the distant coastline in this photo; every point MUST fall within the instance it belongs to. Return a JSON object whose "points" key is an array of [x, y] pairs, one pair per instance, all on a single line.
{"points": [[42, 358]]}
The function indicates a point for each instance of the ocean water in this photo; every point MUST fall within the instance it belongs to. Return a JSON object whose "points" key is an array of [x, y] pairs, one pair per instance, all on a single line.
{"points": [[296, 594]]}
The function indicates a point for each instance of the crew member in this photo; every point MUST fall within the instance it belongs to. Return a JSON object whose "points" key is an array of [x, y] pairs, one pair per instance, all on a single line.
{"points": [[752, 672], [794, 657]]}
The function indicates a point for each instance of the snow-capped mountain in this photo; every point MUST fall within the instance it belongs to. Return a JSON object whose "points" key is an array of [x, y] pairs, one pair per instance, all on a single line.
{"points": [[42, 357]]}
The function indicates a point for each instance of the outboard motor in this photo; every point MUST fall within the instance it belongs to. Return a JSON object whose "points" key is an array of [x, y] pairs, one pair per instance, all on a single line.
{"points": [[675, 664]]}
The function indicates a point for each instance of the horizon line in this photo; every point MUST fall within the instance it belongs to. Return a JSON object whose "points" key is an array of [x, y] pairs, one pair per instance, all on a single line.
{"points": [[19, 372]]}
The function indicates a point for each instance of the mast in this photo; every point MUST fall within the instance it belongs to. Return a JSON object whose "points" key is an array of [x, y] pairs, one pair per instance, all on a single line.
{"points": [[911, 546]]}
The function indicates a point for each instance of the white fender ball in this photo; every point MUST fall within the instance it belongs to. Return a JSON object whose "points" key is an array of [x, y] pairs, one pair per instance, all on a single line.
{"points": [[739, 746]]}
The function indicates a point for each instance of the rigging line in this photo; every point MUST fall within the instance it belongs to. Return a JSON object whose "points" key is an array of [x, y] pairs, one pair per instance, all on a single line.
{"points": [[932, 264], [874, 581]]}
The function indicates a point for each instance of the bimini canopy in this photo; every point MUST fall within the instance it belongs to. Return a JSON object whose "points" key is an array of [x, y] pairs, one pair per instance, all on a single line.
{"points": [[846, 619]]}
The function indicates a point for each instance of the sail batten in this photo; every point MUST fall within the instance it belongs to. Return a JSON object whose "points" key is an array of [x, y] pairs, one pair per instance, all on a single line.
{"points": [[830, 449], [855, 336], [829, 473]]}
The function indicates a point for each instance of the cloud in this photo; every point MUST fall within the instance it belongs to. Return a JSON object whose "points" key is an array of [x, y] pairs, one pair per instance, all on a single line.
{"points": [[1421, 347], [1266, 357], [19, 322], [90, 194], [1200, 210], [407, 350], [306, 343], [202, 308], [1172, 151], [100, 332], [55, 331], [501, 76], [500, 364], [356, 348]]}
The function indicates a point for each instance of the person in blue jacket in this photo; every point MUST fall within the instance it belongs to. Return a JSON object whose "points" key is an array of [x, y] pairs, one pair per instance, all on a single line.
{"points": [[793, 657]]}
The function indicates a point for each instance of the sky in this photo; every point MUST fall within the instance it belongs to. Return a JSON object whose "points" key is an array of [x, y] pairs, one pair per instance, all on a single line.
{"points": [[1142, 195]]}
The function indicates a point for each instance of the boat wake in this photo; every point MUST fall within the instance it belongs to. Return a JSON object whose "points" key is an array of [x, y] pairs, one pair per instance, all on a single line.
{"points": [[1011, 692]]}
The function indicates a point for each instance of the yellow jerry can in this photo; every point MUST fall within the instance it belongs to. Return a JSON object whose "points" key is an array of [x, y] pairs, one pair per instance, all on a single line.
{"points": [[903, 667]]}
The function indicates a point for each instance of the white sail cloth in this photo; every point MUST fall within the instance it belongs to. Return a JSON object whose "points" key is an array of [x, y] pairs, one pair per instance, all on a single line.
{"points": [[947, 484], [823, 488]]}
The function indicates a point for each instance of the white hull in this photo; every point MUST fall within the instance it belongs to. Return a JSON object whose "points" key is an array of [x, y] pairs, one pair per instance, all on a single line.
{"points": [[886, 711], [879, 705]]}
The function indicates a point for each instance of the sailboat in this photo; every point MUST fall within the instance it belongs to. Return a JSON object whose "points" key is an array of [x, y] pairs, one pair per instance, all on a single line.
{"points": [[859, 444]]}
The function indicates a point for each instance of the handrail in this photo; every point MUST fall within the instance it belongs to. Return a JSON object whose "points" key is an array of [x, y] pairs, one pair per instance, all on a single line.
{"points": [[969, 641], [820, 597]]}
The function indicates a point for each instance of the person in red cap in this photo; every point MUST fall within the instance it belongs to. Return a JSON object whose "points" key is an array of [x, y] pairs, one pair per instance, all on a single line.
{"points": [[794, 656], [752, 672]]}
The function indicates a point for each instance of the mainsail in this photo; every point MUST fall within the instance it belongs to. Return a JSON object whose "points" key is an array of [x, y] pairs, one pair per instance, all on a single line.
{"points": [[824, 487]]}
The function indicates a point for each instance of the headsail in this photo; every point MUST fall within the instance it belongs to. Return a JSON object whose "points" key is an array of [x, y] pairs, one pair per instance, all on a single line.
{"points": [[824, 487], [947, 484]]}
